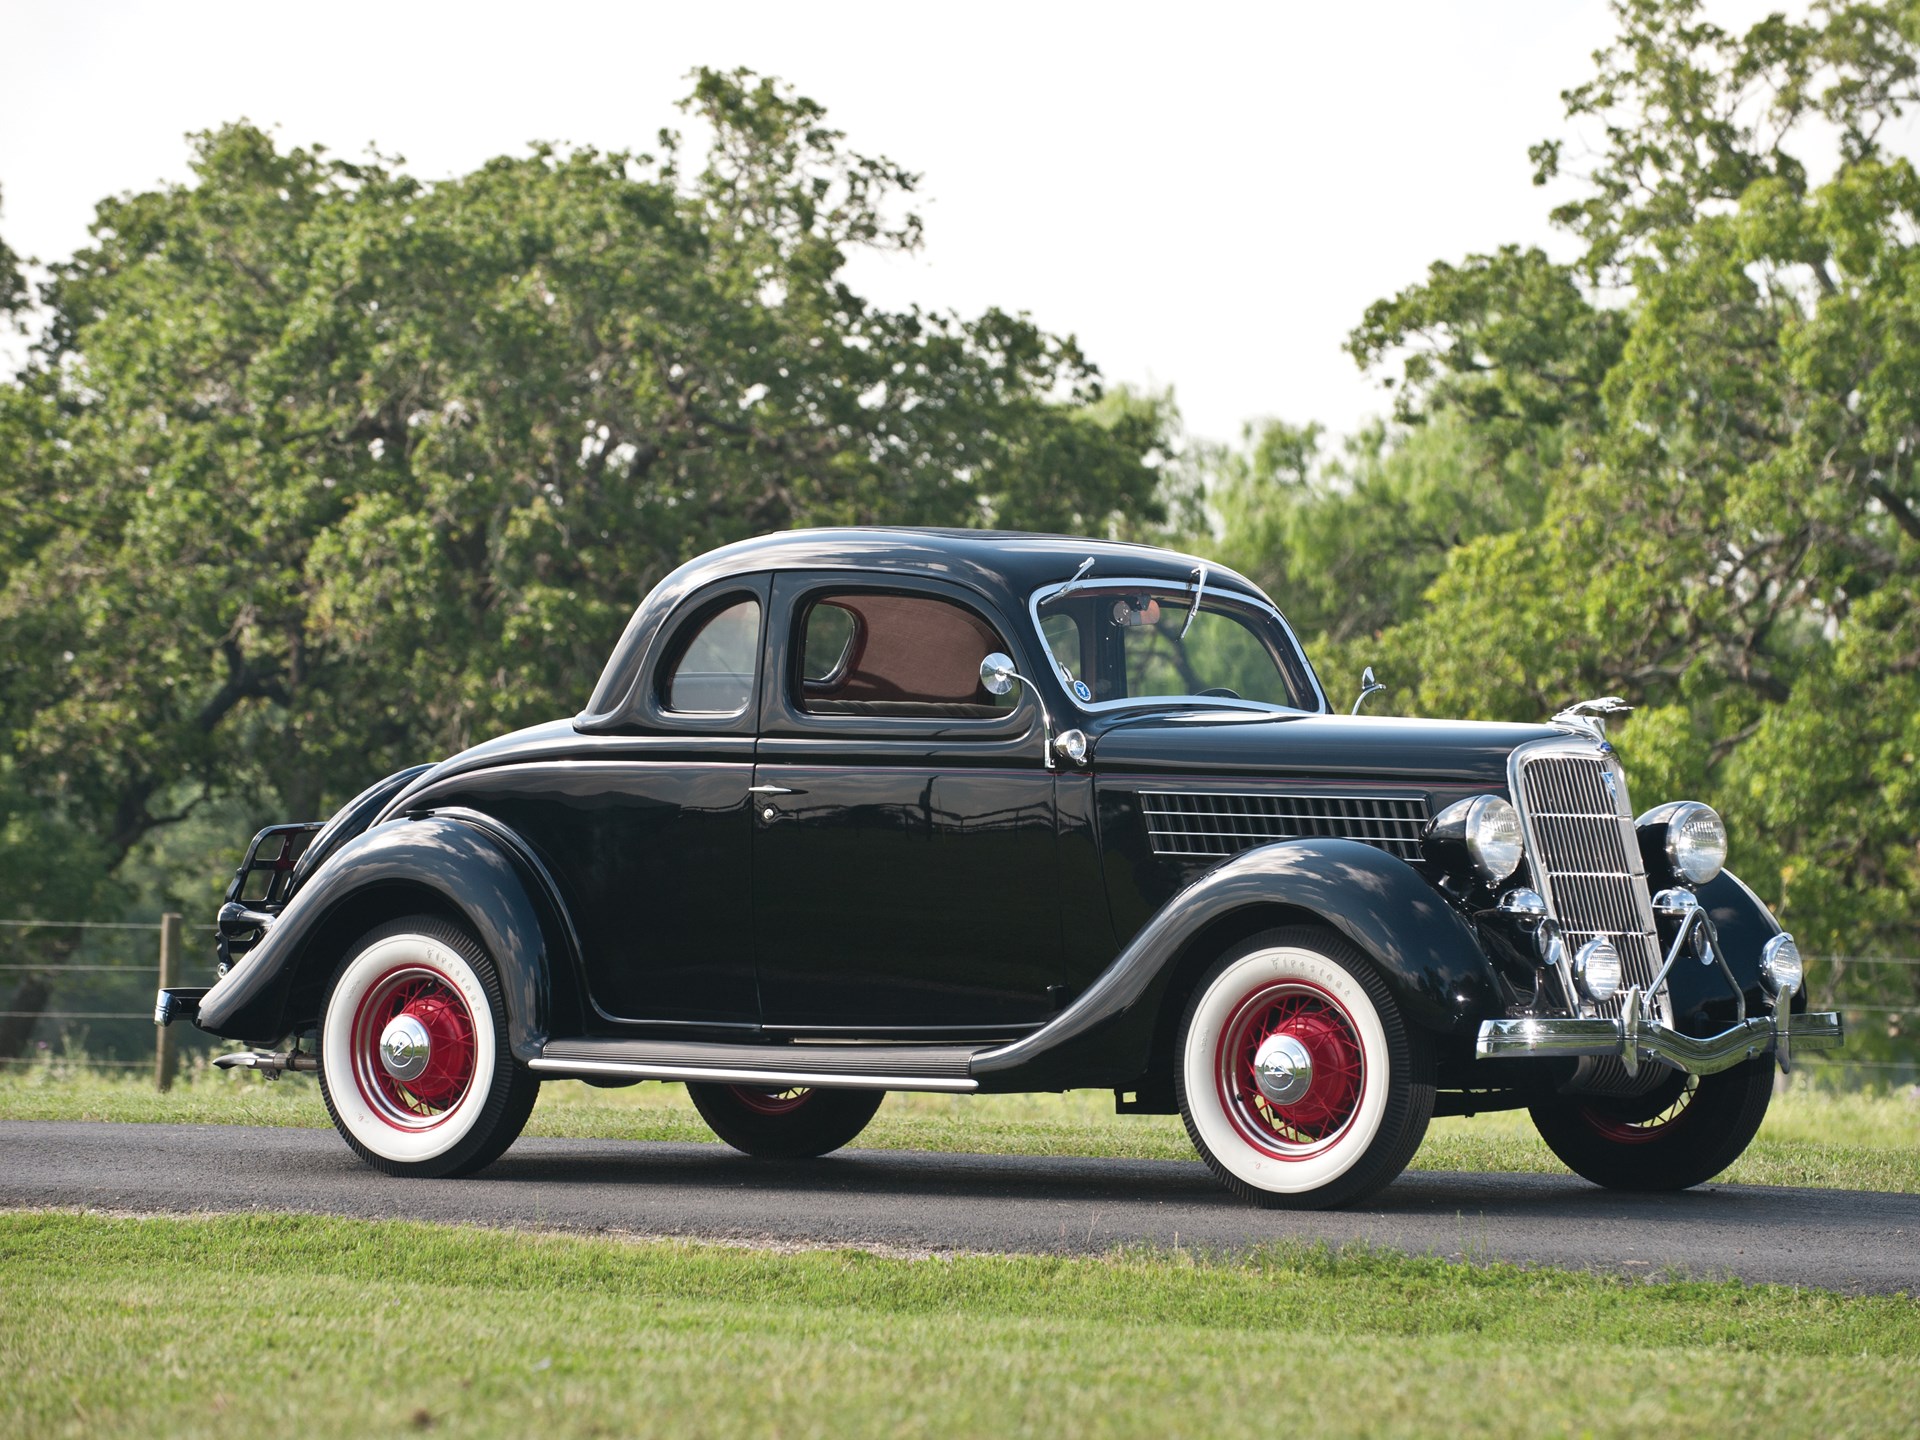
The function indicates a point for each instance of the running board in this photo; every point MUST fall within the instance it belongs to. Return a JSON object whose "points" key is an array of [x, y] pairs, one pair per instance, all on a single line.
{"points": [[857, 1067]]}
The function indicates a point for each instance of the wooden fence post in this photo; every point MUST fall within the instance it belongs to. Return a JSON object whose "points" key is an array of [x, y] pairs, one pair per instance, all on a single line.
{"points": [[166, 1059]]}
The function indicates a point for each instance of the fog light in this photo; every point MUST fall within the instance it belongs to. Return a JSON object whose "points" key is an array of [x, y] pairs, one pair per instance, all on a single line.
{"points": [[1780, 964], [1596, 970]]}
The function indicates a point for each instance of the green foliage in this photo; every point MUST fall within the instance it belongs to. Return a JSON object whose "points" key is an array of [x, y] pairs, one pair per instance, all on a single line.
{"points": [[13, 282], [320, 470], [1348, 544], [1682, 466]]}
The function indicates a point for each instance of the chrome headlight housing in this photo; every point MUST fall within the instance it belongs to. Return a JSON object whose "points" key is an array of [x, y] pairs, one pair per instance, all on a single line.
{"points": [[1696, 842], [1689, 836], [1485, 830]]}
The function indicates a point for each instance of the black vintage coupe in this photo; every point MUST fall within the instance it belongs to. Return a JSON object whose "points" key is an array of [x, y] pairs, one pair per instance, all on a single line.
{"points": [[853, 811]]}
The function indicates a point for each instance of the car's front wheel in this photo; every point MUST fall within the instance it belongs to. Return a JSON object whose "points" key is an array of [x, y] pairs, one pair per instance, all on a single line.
{"points": [[1301, 1084], [414, 1061], [1682, 1134], [797, 1123]]}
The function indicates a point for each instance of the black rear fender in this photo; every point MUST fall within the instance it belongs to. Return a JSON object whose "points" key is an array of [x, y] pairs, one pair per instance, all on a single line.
{"points": [[461, 865], [352, 819], [1114, 1032]]}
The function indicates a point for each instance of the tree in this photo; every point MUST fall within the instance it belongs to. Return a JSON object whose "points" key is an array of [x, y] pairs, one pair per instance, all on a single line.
{"points": [[1720, 400], [320, 469], [1349, 543]]}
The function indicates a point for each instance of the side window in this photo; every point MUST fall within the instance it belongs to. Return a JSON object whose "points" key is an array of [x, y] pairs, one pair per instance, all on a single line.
{"points": [[714, 674], [884, 654]]}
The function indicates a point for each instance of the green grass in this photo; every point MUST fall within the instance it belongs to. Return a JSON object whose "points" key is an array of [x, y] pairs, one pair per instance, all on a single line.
{"points": [[1812, 1136], [282, 1325]]}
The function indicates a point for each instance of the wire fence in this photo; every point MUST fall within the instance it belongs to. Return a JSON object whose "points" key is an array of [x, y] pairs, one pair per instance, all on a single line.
{"points": [[159, 969]]}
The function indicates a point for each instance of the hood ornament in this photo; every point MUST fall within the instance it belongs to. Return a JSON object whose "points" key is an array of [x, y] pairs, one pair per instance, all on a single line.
{"points": [[1590, 716]]}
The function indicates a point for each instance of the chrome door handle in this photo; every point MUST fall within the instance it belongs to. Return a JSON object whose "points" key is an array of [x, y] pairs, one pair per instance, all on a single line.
{"points": [[773, 790]]}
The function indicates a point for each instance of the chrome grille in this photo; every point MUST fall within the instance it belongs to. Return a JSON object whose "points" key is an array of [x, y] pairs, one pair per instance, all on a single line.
{"points": [[1213, 824], [1586, 859]]}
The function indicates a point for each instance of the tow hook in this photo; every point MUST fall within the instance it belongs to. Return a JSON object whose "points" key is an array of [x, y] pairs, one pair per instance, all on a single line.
{"points": [[271, 1063]]}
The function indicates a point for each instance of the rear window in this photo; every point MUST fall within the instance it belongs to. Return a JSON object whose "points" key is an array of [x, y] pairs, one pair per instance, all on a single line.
{"points": [[714, 674]]}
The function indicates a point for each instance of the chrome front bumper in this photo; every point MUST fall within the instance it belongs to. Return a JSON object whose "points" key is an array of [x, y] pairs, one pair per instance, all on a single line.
{"points": [[1635, 1037]]}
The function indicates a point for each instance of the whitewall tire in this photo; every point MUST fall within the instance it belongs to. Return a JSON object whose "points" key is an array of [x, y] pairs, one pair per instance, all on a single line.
{"points": [[414, 1061], [1300, 1083]]}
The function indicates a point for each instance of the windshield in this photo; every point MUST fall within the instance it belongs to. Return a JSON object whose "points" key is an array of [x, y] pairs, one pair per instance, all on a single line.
{"points": [[1123, 641]]}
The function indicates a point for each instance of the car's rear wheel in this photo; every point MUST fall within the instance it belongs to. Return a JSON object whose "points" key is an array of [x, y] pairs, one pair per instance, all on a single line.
{"points": [[414, 1061], [1682, 1134], [796, 1123], [1301, 1084]]}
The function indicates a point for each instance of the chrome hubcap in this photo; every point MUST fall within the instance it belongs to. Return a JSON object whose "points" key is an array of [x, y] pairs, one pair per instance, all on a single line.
{"points": [[404, 1048], [1283, 1069]]}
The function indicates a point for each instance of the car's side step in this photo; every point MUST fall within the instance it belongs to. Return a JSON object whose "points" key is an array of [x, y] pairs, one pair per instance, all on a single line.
{"points": [[876, 1067]]}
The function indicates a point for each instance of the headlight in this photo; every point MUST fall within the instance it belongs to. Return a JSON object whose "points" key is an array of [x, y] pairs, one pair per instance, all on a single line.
{"points": [[1686, 837], [1485, 832], [1493, 837], [1696, 842], [1486, 828], [1780, 964]]}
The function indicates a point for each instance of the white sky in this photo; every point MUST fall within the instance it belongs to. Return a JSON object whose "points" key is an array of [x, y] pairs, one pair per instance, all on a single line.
{"points": [[1207, 196]]}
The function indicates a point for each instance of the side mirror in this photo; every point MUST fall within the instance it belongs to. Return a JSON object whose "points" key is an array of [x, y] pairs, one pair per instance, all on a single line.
{"points": [[996, 673], [997, 676]]}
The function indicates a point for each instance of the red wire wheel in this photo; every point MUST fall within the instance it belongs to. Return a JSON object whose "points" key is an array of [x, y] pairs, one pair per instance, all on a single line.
{"points": [[794, 1122], [405, 1011], [1655, 1128], [772, 1102], [1300, 1083], [1309, 1122], [415, 1068], [1683, 1133]]}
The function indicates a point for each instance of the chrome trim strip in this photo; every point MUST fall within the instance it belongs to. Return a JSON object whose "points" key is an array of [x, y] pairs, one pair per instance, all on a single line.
{"points": [[1234, 597], [644, 1070], [1697, 1055]]}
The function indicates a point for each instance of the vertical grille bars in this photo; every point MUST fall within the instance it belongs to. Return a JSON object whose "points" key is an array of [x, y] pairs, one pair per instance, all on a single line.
{"points": [[1573, 803]]}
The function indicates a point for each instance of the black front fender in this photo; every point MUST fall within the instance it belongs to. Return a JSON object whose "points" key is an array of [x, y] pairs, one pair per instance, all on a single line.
{"points": [[1425, 951], [466, 863], [1745, 924]]}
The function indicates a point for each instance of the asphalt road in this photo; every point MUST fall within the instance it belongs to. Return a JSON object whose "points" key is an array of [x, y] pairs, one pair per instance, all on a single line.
{"points": [[915, 1201]]}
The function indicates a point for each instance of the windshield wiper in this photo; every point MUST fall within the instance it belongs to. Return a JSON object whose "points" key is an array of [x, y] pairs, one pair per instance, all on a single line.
{"points": [[1078, 576], [1199, 589]]}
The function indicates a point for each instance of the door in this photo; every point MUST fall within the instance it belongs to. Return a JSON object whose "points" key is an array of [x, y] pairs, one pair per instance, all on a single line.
{"points": [[904, 838]]}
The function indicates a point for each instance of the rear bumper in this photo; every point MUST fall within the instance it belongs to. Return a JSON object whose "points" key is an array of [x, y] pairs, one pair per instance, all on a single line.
{"points": [[1634, 1038]]}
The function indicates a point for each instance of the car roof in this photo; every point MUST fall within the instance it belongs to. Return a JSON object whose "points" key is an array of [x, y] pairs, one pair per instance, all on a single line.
{"points": [[1017, 560], [1002, 566]]}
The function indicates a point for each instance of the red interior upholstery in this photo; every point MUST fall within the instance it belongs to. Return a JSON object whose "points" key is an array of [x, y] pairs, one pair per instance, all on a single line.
{"points": [[911, 648]]}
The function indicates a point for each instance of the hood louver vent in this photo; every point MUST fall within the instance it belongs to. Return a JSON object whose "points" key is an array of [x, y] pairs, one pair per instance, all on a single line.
{"points": [[1198, 823]]}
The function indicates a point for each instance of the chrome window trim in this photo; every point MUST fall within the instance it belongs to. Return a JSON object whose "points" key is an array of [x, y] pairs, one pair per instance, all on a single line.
{"points": [[1216, 596]]}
